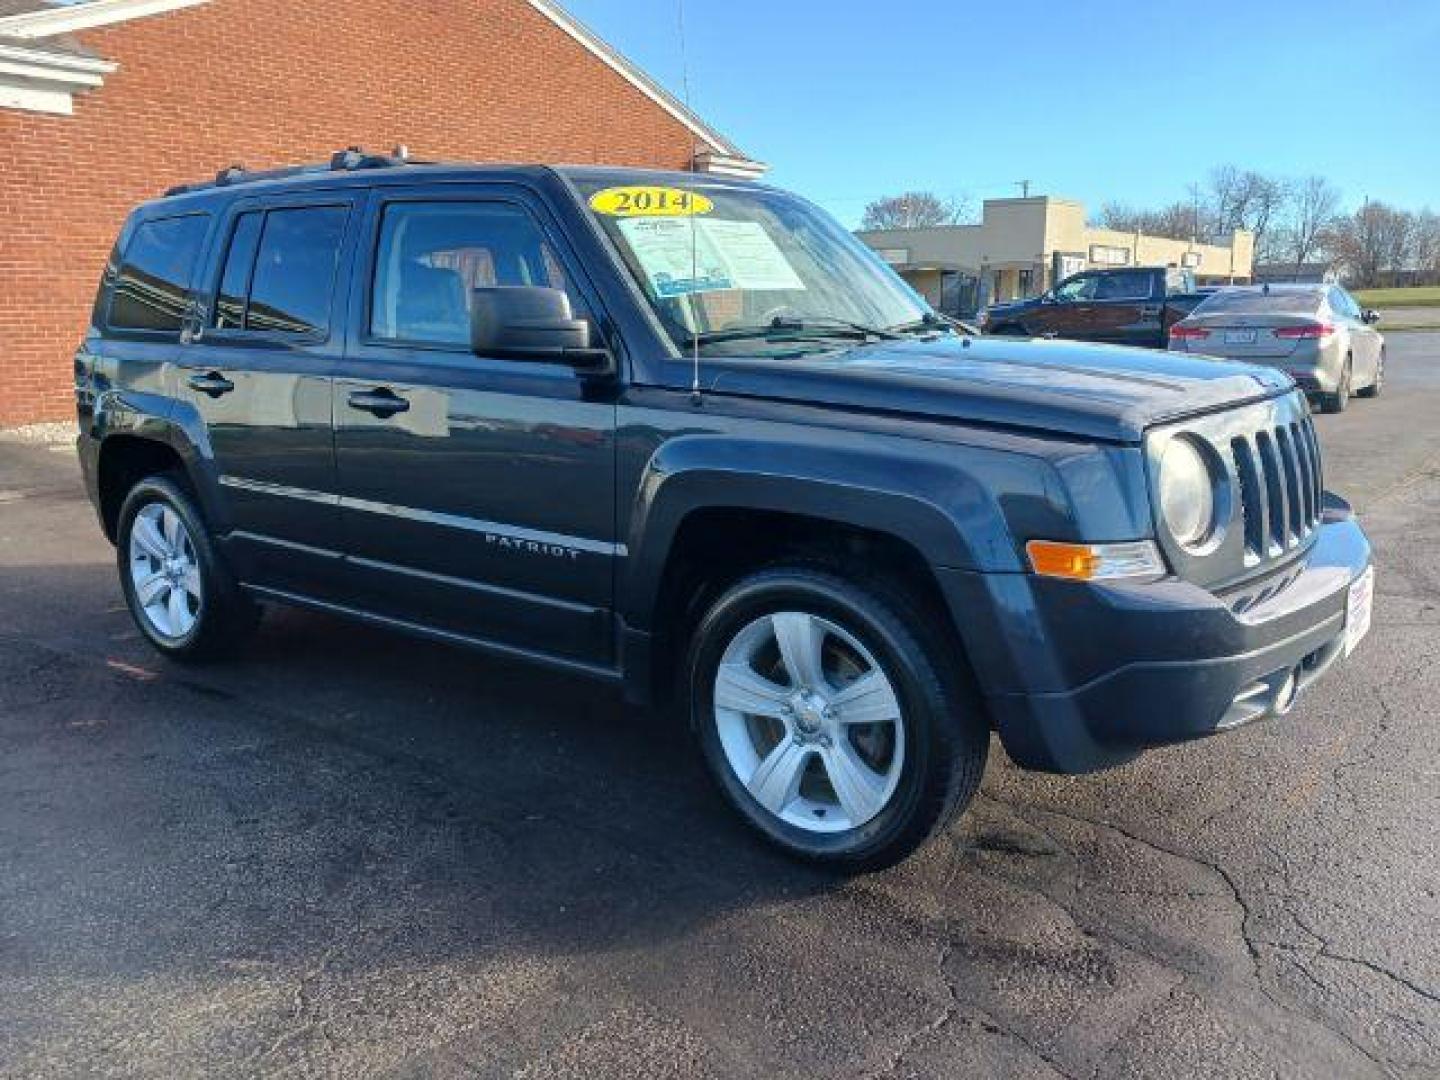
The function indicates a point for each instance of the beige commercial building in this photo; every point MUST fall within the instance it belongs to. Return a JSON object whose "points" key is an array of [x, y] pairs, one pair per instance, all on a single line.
{"points": [[1024, 246]]}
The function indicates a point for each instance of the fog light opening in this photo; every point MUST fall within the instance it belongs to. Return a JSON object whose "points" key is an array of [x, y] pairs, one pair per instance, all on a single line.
{"points": [[1287, 693]]}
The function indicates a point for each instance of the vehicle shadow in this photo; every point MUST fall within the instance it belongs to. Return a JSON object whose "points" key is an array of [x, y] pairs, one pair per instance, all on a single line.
{"points": [[371, 818], [357, 776]]}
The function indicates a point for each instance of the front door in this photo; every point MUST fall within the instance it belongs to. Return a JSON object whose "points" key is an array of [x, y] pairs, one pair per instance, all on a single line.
{"points": [[1066, 310], [476, 493], [255, 367]]}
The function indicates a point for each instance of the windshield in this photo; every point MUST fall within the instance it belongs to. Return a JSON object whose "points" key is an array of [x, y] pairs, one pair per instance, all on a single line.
{"points": [[734, 270]]}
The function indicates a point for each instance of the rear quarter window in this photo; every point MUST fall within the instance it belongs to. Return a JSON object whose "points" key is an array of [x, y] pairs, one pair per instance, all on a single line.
{"points": [[153, 280]]}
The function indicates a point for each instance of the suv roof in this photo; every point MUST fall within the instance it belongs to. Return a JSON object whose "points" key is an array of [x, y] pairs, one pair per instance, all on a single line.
{"points": [[354, 166]]}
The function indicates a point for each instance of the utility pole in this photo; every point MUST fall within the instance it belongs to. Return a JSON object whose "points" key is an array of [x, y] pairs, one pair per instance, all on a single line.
{"points": [[1194, 190], [1024, 186]]}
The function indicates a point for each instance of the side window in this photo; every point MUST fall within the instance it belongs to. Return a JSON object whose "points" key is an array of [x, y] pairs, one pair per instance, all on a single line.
{"points": [[279, 274], [1125, 285], [152, 285], [293, 281], [1081, 287], [431, 256], [235, 281]]}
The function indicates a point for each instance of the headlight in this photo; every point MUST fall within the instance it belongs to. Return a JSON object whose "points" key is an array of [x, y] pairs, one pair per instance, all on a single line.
{"points": [[1187, 494]]}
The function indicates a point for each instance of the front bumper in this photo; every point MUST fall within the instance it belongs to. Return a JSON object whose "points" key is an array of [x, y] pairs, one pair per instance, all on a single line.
{"points": [[1082, 677]]}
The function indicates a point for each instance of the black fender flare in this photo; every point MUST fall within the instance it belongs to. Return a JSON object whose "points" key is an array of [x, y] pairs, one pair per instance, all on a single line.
{"points": [[948, 517], [163, 420]]}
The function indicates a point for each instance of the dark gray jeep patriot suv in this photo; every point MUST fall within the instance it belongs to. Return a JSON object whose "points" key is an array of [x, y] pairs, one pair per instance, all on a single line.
{"points": [[685, 435]]}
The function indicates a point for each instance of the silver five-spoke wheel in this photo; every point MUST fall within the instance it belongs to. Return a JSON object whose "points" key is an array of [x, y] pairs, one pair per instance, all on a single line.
{"points": [[809, 722], [164, 571]]}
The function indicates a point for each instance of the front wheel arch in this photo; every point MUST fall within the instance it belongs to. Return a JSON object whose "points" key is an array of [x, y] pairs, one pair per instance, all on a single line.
{"points": [[713, 547]]}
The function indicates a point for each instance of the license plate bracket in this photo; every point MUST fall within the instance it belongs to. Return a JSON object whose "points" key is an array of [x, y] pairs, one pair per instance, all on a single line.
{"points": [[1359, 606]]}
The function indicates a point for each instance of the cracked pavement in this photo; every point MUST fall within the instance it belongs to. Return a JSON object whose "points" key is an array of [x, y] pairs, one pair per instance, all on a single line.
{"points": [[347, 853]]}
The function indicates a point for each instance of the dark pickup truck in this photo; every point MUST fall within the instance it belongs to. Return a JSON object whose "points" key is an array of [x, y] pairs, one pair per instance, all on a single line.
{"points": [[686, 437], [1130, 306]]}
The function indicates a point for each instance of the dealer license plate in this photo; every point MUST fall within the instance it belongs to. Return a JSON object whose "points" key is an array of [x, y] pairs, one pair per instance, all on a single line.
{"points": [[1239, 337], [1357, 611]]}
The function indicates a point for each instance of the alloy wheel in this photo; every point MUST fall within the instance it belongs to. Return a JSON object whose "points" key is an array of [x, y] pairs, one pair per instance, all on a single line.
{"points": [[809, 722], [164, 571]]}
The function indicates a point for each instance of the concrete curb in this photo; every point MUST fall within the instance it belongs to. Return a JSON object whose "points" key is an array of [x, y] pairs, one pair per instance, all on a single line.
{"points": [[51, 434]]}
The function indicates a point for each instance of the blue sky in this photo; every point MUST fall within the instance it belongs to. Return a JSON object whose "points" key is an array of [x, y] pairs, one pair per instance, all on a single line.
{"points": [[1095, 99]]}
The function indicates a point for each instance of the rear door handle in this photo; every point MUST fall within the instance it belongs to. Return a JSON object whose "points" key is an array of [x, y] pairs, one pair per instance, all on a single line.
{"points": [[212, 383], [382, 402]]}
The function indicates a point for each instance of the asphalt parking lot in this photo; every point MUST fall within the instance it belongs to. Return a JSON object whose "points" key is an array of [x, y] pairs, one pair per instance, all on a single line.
{"points": [[348, 853]]}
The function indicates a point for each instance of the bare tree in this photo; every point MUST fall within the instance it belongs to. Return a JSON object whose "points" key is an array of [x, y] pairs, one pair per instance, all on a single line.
{"points": [[1118, 216], [1176, 221], [1269, 201], [1246, 199], [1225, 199], [1375, 243], [915, 210], [1312, 214], [1426, 244]]}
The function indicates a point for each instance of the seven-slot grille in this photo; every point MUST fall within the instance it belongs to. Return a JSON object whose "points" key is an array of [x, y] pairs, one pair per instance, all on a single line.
{"points": [[1281, 487]]}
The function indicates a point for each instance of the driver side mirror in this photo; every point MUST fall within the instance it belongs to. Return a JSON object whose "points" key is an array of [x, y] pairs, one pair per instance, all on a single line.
{"points": [[1370, 316], [528, 322]]}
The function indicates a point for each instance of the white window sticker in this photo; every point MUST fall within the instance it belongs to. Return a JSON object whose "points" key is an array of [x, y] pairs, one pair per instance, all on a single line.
{"points": [[755, 261], [697, 255], [675, 257]]}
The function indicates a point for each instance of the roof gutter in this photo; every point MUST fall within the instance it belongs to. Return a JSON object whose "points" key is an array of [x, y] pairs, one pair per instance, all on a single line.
{"points": [[39, 80], [71, 18]]}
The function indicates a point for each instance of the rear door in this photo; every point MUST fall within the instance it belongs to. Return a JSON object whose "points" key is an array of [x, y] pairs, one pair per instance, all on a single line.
{"points": [[256, 369], [1127, 309], [477, 493]]}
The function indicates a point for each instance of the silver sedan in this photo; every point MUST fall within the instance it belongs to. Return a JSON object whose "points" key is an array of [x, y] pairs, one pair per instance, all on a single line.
{"points": [[1317, 333]]}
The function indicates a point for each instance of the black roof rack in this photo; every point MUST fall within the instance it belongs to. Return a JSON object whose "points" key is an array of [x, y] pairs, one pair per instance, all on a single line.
{"points": [[347, 160]]}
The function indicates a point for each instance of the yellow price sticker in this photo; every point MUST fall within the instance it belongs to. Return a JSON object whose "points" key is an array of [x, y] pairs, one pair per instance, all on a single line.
{"points": [[649, 202]]}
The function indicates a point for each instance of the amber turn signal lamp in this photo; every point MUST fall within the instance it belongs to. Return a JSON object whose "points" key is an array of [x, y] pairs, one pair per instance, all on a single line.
{"points": [[1095, 562]]}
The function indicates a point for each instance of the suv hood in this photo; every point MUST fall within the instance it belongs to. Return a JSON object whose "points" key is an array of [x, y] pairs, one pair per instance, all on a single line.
{"points": [[1106, 392]]}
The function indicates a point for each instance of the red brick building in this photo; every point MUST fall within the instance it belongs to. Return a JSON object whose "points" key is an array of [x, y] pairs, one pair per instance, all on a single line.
{"points": [[105, 103]]}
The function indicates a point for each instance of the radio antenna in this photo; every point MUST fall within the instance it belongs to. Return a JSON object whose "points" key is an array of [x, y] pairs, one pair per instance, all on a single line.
{"points": [[694, 233]]}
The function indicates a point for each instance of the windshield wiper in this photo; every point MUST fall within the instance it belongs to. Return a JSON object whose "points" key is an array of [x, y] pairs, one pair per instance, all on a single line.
{"points": [[784, 328], [830, 324], [934, 322]]}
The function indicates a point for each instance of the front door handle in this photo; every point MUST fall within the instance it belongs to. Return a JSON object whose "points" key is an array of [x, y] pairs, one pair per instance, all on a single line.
{"points": [[212, 383], [382, 402]]}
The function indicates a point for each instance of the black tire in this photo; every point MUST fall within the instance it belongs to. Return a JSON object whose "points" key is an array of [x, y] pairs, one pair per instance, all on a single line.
{"points": [[946, 734], [1336, 402], [223, 615], [1373, 390]]}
